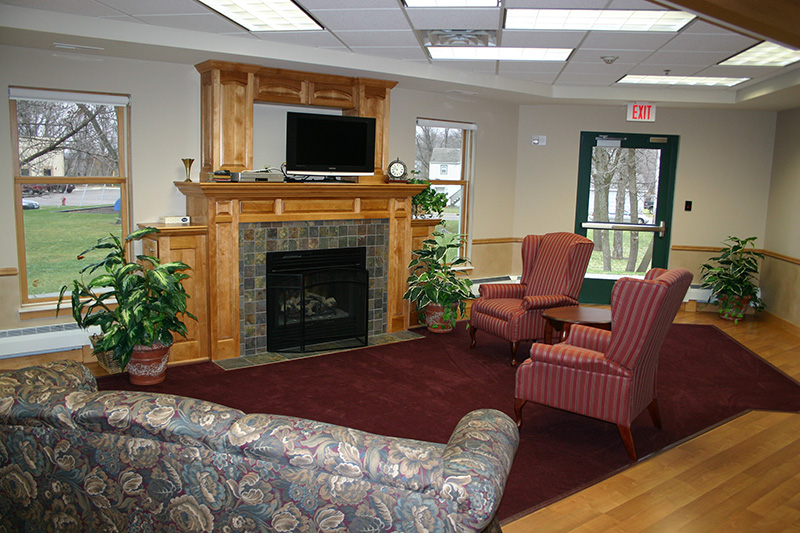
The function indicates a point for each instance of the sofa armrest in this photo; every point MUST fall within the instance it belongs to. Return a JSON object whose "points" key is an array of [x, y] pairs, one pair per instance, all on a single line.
{"points": [[595, 339], [547, 301], [61, 374], [477, 461], [502, 290]]}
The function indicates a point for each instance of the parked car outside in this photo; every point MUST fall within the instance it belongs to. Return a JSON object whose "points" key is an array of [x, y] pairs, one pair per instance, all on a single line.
{"points": [[27, 203]]}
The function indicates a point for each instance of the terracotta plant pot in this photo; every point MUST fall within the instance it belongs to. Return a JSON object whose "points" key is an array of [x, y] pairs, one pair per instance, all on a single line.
{"points": [[434, 318], [733, 307], [148, 364]]}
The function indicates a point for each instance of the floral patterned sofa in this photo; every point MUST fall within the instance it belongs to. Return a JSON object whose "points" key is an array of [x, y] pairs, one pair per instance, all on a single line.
{"points": [[75, 459]]}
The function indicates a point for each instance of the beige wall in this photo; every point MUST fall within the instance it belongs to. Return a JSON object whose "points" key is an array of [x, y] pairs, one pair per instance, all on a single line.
{"points": [[724, 159]]}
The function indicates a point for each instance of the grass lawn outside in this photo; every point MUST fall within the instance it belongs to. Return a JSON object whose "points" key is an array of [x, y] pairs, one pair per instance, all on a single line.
{"points": [[618, 265], [54, 237]]}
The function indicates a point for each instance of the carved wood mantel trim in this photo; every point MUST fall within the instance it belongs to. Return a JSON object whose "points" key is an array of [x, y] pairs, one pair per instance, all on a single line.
{"points": [[221, 207]]}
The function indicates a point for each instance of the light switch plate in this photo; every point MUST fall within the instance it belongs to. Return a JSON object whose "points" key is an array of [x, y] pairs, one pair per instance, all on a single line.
{"points": [[539, 140]]}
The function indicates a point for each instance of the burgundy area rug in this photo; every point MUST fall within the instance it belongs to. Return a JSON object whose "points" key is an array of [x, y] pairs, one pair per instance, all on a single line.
{"points": [[420, 389]]}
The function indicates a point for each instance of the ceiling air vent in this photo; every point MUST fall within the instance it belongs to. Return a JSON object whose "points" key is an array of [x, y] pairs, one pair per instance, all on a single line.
{"points": [[460, 38]]}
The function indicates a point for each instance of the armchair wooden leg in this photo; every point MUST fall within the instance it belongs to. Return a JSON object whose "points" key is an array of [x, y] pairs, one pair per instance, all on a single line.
{"points": [[518, 403], [472, 332], [514, 346], [627, 439], [654, 413]]}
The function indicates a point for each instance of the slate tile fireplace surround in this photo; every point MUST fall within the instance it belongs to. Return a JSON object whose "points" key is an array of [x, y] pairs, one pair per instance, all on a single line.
{"points": [[256, 240]]}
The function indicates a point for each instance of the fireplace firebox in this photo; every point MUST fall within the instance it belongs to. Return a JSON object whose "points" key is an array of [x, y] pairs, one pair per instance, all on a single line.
{"points": [[316, 297]]}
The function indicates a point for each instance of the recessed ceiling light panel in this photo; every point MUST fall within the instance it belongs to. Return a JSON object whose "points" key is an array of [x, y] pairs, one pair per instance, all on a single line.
{"points": [[498, 53], [765, 54], [264, 15], [596, 20], [704, 81]]}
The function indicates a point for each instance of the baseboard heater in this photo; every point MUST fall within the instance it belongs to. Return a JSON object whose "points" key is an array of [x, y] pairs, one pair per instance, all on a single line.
{"points": [[41, 343]]}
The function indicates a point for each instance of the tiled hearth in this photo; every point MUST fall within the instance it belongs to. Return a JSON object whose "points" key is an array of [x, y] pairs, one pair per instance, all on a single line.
{"points": [[258, 238]]}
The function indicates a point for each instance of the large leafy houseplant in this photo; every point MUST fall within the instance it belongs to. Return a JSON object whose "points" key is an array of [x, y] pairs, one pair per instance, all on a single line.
{"points": [[434, 280], [428, 203], [731, 278], [135, 304]]}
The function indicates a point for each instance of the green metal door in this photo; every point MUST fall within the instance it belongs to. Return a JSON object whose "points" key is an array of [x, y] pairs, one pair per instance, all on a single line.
{"points": [[626, 184]]}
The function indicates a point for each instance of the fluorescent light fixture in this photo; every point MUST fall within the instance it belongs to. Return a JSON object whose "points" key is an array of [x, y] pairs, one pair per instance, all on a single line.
{"points": [[452, 3], [498, 53], [596, 19], [765, 54], [705, 81], [264, 15]]}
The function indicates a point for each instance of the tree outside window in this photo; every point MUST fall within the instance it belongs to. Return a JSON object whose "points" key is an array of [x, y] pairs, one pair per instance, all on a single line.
{"points": [[71, 179]]}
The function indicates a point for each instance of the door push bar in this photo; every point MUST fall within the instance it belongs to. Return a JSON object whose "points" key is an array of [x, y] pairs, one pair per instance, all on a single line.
{"points": [[660, 228]]}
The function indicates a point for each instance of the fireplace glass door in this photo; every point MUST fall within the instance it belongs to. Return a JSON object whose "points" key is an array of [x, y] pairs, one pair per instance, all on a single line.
{"points": [[316, 297]]}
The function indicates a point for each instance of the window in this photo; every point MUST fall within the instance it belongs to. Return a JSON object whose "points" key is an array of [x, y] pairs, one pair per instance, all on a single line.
{"points": [[71, 181], [444, 157]]}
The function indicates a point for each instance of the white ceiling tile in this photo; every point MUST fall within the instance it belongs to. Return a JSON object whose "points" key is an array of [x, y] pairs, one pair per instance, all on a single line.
{"points": [[597, 68], [545, 39], [313, 5], [555, 4], [161, 7], [305, 38], [89, 8], [541, 67], [658, 70], [208, 23], [394, 52], [538, 77], [701, 26], [587, 80], [454, 19], [362, 19], [378, 38], [685, 58], [635, 4], [618, 40], [709, 43], [626, 57], [474, 66]]}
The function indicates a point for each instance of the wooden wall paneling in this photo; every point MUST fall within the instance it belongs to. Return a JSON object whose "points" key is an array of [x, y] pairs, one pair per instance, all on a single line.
{"points": [[224, 279], [341, 95], [399, 257], [186, 244], [280, 90]]}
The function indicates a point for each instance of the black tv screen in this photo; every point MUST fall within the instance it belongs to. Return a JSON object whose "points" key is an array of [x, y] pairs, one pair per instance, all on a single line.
{"points": [[329, 145]]}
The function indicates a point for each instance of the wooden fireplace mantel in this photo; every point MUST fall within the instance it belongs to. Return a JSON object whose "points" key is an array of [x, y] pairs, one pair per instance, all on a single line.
{"points": [[221, 207]]}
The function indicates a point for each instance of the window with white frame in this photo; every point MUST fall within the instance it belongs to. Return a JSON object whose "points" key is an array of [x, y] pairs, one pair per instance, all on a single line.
{"points": [[70, 181], [444, 157]]}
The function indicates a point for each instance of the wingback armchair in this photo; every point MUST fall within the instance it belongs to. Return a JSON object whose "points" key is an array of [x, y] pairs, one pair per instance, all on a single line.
{"points": [[609, 375], [553, 266]]}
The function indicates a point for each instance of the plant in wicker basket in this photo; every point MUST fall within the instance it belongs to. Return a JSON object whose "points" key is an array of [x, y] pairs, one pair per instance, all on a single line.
{"points": [[135, 304]]}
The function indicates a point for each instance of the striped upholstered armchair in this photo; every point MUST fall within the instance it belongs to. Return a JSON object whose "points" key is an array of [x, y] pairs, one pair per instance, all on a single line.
{"points": [[610, 375], [553, 266]]}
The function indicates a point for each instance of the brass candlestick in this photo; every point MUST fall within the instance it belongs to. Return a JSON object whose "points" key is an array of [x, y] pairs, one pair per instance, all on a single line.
{"points": [[188, 164]]}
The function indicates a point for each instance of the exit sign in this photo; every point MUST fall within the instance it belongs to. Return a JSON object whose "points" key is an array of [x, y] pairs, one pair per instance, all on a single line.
{"points": [[641, 112]]}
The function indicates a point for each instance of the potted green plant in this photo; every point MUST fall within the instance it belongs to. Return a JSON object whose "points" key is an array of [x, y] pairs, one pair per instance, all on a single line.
{"points": [[428, 203], [434, 285], [731, 278], [136, 305]]}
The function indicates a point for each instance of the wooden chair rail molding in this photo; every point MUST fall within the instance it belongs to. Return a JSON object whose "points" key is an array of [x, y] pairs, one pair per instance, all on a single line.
{"points": [[716, 249], [9, 271]]}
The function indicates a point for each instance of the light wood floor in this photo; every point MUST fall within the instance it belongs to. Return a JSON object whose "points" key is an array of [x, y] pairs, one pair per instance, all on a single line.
{"points": [[741, 476]]}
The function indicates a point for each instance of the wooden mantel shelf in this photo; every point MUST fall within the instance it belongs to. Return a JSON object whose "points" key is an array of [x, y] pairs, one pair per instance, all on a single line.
{"points": [[222, 207]]}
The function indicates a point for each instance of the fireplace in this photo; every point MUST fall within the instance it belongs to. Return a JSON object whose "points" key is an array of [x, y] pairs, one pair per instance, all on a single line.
{"points": [[315, 297]]}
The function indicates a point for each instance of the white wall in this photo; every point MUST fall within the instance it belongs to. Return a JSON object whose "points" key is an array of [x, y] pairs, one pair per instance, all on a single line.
{"points": [[724, 167], [495, 150], [783, 218]]}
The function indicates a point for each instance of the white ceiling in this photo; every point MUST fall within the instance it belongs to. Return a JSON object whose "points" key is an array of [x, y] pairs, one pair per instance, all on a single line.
{"points": [[384, 39]]}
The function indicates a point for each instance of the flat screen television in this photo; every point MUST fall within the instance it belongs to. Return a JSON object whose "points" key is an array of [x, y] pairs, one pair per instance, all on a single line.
{"points": [[329, 145]]}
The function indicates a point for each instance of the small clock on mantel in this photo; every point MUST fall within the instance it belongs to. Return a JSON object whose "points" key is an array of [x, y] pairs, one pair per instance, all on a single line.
{"points": [[397, 172]]}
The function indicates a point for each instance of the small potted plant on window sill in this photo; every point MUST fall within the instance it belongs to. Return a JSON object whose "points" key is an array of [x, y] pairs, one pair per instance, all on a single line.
{"points": [[434, 284], [136, 305], [731, 278], [428, 203]]}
